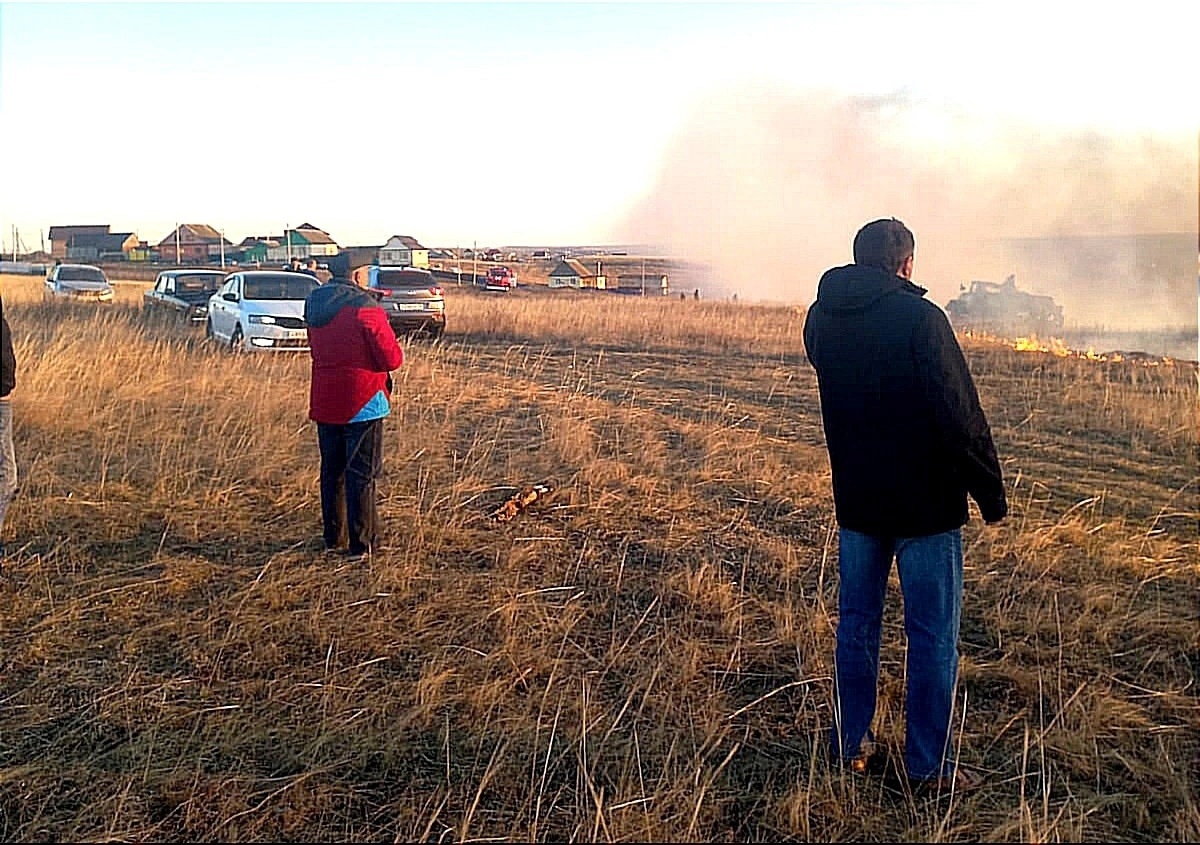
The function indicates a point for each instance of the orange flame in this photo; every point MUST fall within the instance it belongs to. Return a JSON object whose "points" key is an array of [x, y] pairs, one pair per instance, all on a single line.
{"points": [[1057, 347]]}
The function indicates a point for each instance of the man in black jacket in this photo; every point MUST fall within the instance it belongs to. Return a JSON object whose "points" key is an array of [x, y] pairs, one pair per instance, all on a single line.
{"points": [[908, 442], [8, 459]]}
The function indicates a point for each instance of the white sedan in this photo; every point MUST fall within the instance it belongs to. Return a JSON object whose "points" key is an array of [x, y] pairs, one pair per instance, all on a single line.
{"points": [[260, 310]]}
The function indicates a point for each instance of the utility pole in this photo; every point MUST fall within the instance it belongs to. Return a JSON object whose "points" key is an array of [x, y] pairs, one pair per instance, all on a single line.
{"points": [[474, 263], [287, 234], [222, 249], [178, 260]]}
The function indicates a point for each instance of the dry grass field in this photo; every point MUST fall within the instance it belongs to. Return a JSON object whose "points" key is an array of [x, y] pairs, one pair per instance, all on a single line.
{"points": [[644, 655]]}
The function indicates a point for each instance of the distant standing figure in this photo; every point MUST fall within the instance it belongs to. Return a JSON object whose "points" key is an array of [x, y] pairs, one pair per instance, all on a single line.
{"points": [[353, 353], [907, 441], [696, 294], [8, 457], [310, 268]]}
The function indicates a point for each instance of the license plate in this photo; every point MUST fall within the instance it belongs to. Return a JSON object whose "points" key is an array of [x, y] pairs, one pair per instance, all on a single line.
{"points": [[410, 306], [297, 335]]}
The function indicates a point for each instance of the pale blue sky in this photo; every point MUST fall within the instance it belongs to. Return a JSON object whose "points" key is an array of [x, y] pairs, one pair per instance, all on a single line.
{"points": [[507, 123]]}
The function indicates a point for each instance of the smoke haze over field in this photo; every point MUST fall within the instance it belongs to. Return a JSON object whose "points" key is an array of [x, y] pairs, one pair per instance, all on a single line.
{"points": [[768, 189]]}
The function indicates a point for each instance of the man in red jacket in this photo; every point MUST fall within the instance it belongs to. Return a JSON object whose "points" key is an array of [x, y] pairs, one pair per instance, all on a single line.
{"points": [[353, 353]]}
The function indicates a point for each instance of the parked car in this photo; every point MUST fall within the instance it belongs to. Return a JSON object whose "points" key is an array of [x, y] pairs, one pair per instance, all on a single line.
{"points": [[78, 283], [182, 294], [260, 310], [412, 298]]}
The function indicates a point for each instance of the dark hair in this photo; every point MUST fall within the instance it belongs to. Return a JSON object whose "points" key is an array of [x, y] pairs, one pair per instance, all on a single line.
{"points": [[885, 244]]}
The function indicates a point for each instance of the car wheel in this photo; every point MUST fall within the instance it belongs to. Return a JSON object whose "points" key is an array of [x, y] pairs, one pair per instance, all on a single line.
{"points": [[208, 331], [236, 342]]}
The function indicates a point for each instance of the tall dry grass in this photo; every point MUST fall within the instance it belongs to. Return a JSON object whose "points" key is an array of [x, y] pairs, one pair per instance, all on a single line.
{"points": [[644, 657]]}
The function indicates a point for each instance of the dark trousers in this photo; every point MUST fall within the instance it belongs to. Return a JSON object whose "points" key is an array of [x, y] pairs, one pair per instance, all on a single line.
{"points": [[351, 461]]}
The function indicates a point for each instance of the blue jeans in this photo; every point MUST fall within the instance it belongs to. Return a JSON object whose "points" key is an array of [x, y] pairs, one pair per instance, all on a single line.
{"points": [[351, 461], [8, 462], [931, 580]]}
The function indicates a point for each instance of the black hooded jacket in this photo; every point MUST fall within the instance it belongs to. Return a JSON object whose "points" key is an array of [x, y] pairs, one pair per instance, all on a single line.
{"points": [[907, 438], [8, 361]]}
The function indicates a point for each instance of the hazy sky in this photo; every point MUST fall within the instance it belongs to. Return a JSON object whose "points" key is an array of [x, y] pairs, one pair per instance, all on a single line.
{"points": [[557, 123]]}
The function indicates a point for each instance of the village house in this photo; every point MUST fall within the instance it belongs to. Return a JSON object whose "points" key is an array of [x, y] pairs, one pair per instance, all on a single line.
{"points": [[305, 241], [101, 246], [570, 273], [193, 243], [254, 249], [60, 237], [404, 251]]}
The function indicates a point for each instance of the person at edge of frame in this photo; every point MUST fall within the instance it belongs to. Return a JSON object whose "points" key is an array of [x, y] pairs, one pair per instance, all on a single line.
{"points": [[8, 457]]}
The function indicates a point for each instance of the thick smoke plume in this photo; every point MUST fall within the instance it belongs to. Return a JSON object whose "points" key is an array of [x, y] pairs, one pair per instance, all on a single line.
{"points": [[768, 190]]}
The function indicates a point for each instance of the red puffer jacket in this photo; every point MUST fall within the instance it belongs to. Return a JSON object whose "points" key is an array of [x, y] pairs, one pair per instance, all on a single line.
{"points": [[353, 350]]}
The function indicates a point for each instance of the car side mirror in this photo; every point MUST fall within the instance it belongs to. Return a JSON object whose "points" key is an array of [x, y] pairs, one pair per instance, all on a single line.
{"points": [[230, 296]]}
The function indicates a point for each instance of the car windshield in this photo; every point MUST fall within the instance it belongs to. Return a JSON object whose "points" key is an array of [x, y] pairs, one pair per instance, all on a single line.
{"points": [[278, 286], [80, 274], [194, 283], [404, 279]]}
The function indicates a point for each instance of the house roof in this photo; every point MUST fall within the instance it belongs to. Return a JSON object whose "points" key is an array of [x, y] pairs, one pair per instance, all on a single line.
{"points": [[310, 235], [408, 241], [200, 234], [311, 226], [101, 241], [65, 233], [203, 231], [572, 267]]}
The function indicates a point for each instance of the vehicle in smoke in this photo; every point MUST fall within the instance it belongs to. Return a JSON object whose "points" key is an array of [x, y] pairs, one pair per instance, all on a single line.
{"points": [[1000, 308]]}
